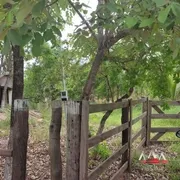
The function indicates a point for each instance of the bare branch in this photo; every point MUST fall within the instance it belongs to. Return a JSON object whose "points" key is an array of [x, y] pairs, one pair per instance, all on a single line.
{"points": [[84, 20], [50, 4], [120, 34]]}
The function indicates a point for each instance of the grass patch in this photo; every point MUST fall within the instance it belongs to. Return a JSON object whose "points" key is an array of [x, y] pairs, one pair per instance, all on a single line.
{"points": [[174, 163], [100, 152]]}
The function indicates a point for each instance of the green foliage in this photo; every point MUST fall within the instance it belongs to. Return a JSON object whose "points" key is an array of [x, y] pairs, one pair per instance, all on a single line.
{"points": [[29, 21], [101, 151]]}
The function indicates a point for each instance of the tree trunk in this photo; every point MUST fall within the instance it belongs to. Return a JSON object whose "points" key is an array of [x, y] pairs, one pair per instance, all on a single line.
{"points": [[93, 72], [108, 113], [18, 84], [4, 95]]}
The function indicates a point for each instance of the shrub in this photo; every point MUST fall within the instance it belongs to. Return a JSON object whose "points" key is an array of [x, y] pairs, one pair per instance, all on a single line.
{"points": [[101, 151]]}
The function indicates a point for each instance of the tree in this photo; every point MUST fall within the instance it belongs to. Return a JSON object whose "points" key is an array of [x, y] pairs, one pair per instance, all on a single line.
{"points": [[114, 20]]}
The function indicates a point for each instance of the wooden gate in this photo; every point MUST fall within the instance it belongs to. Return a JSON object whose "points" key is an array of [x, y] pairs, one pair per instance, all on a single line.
{"points": [[160, 131]]}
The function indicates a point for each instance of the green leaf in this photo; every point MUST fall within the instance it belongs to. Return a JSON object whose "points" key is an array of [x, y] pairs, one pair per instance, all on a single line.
{"points": [[25, 39], [3, 34], [15, 37], [175, 52], [23, 29], [146, 22], [24, 10], [164, 14], [48, 35], [38, 8], [9, 18], [56, 31], [175, 9], [39, 40], [44, 27], [160, 3], [36, 50], [112, 7], [131, 21], [7, 46]]}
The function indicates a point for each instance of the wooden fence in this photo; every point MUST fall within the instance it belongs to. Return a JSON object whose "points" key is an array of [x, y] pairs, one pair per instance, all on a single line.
{"points": [[160, 114], [78, 142]]}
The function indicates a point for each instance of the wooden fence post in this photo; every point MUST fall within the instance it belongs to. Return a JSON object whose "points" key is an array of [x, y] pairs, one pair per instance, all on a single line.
{"points": [[83, 174], [149, 123], [20, 138], [125, 133], [73, 140], [130, 136], [54, 141], [145, 119]]}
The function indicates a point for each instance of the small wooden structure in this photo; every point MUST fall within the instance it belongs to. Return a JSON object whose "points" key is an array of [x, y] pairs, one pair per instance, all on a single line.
{"points": [[5, 90]]}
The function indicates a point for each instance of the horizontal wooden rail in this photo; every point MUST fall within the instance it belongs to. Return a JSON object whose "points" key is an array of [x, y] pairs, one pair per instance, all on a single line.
{"points": [[165, 116], [102, 167], [120, 171], [165, 129], [5, 153], [138, 101], [162, 142], [174, 103], [135, 120], [141, 143], [101, 137], [138, 134], [93, 108]]}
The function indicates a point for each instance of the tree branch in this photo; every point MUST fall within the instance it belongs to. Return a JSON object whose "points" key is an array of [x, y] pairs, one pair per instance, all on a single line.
{"points": [[50, 4], [120, 34], [84, 20]]}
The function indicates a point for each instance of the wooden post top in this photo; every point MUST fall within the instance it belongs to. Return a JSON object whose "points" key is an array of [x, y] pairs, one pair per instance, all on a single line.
{"points": [[56, 104], [20, 104]]}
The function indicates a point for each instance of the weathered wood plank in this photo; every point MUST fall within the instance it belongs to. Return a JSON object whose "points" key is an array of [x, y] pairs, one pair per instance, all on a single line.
{"points": [[54, 141], [165, 116], [135, 120], [138, 134], [130, 136], [144, 119], [5, 152], [73, 140], [141, 143], [148, 135], [163, 142], [138, 101], [20, 139], [101, 137], [157, 136], [174, 103], [125, 133], [120, 171], [157, 109], [83, 174], [165, 129], [102, 167], [93, 108]]}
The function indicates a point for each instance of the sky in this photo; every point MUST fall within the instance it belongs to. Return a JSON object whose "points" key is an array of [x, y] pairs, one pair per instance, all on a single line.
{"points": [[77, 20]]}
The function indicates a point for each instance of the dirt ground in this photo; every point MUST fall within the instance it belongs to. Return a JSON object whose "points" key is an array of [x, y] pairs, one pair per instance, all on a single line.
{"points": [[38, 164]]}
